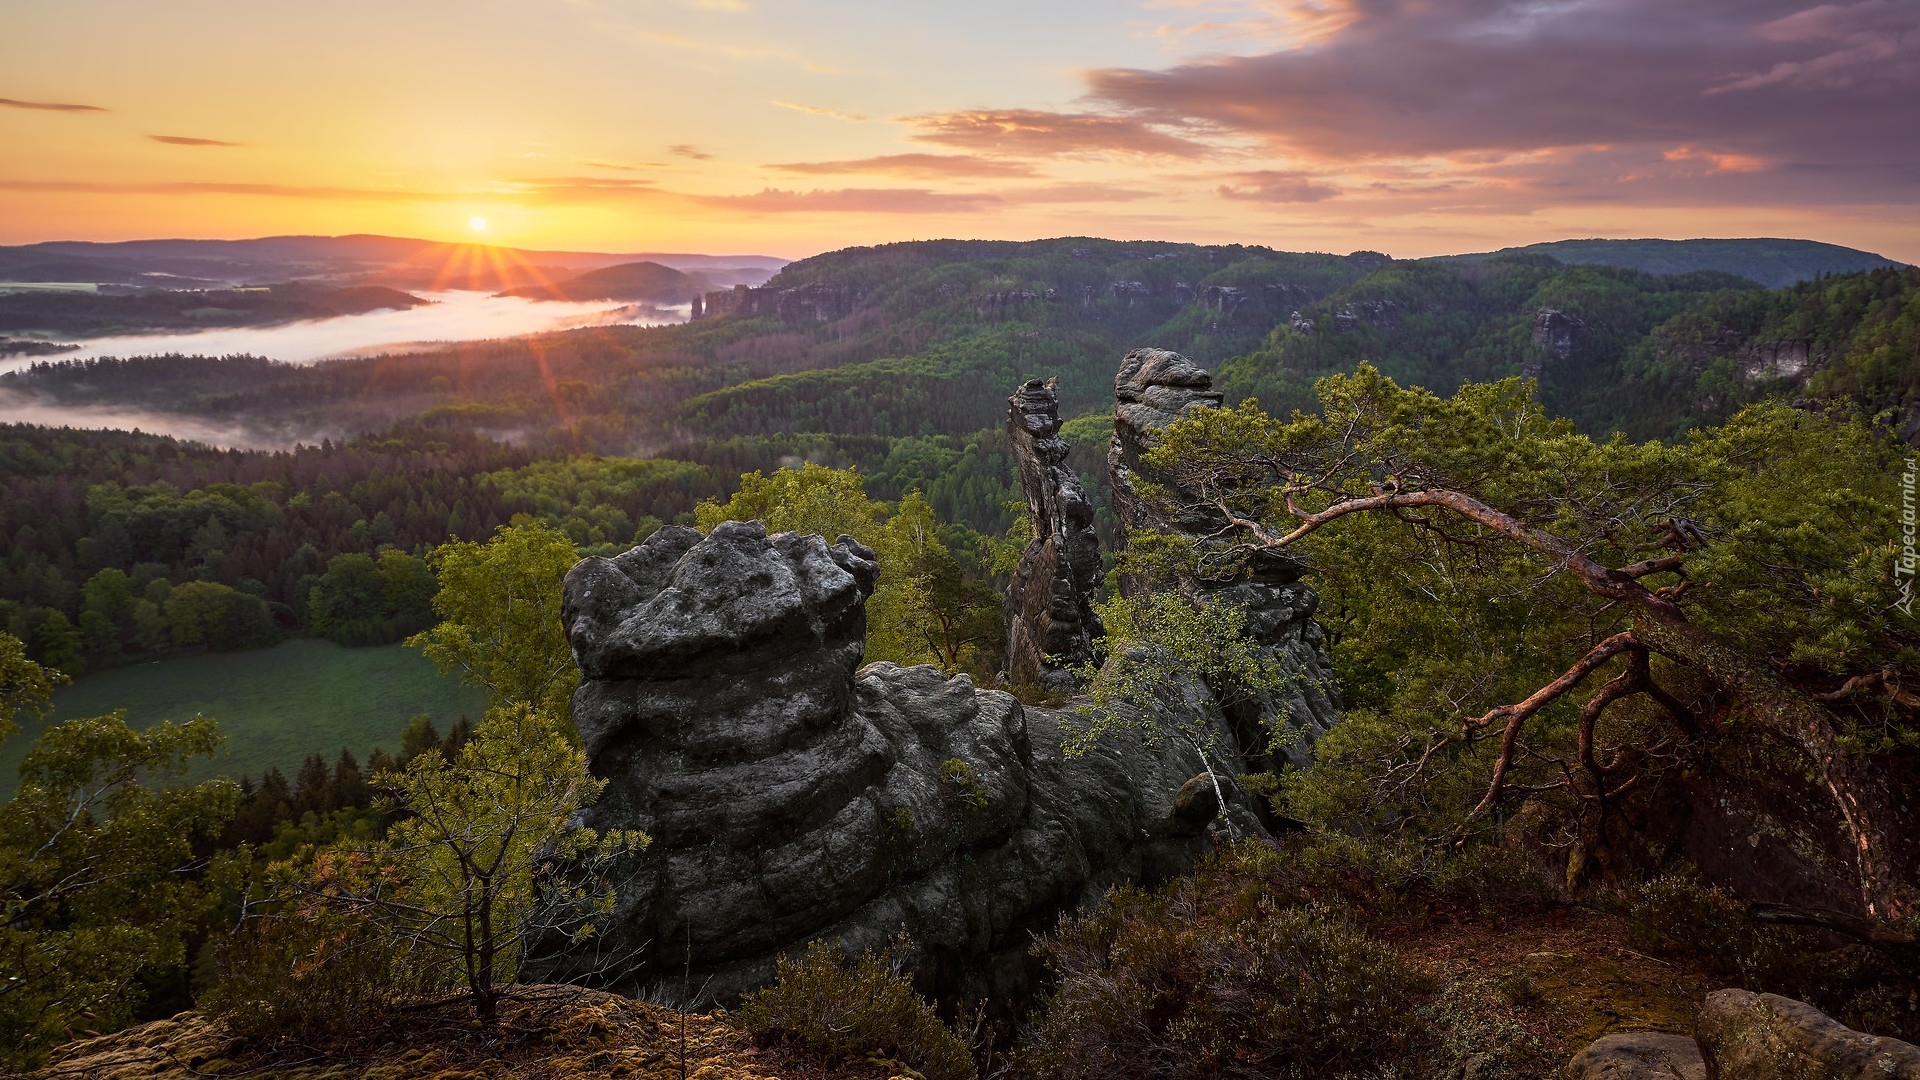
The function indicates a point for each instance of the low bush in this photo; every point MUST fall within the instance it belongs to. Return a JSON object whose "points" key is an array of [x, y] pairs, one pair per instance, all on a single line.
{"points": [[310, 972], [1866, 988], [867, 1007], [1176, 986]]}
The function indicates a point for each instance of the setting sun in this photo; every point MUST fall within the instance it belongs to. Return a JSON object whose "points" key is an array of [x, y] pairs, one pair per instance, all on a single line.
{"points": [[477, 223]]}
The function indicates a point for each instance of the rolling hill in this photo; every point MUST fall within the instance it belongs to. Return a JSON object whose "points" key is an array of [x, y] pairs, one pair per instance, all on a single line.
{"points": [[626, 281]]}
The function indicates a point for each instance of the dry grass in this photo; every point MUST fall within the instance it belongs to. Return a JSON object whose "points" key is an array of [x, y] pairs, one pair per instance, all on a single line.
{"points": [[546, 1033]]}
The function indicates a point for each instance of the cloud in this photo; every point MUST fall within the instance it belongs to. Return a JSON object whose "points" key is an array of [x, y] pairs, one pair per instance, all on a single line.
{"points": [[91, 187], [188, 140], [1275, 186], [916, 165], [1079, 193], [50, 106], [688, 150], [816, 110], [637, 167], [1039, 133], [852, 200], [1797, 101]]}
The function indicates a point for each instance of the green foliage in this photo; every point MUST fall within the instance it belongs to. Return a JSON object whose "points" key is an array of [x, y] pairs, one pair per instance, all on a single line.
{"points": [[483, 857], [1432, 621], [500, 608], [866, 1007], [1157, 647], [99, 877], [926, 607], [223, 619], [362, 600], [23, 684]]}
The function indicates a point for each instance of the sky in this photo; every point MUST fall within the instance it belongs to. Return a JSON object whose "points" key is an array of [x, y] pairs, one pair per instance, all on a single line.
{"points": [[789, 127]]}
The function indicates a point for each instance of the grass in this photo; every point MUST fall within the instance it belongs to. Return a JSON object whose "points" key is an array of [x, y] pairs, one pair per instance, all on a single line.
{"points": [[276, 705]]}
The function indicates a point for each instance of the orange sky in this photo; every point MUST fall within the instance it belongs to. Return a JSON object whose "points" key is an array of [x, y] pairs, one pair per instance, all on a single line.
{"points": [[791, 128]]}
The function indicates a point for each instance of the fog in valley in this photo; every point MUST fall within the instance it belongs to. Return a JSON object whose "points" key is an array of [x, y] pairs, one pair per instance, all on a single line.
{"points": [[451, 317]]}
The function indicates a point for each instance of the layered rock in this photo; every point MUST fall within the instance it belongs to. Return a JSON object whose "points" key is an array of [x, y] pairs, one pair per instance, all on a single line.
{"points": [[1153, 388], [1049, 603], [791, 797]]}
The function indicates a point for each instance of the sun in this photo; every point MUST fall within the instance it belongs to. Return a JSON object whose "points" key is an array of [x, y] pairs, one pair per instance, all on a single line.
{"points": [[477, 223]]}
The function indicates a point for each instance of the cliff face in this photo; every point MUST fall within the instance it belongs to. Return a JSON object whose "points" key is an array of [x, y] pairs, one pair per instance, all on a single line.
{"points": [[792, 798], [1152, 389], [1049, 604]]}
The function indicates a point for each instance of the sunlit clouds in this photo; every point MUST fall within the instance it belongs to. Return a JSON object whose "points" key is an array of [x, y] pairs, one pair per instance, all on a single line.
{"points": [[1410, 127]]}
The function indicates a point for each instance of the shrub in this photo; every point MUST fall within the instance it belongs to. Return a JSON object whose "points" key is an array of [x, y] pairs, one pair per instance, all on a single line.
{"points": [[1176, 986], [839, 1009], [310, 971], [1862, 987]]}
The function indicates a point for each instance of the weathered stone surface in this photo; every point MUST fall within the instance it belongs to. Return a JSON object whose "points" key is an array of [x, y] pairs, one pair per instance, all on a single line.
{"points": [[1153, 388], [1639, 1055], [792, 798], [1049, 603], [1748, 1036]]}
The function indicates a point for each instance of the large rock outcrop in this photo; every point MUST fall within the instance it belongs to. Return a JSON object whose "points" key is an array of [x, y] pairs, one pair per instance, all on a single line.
{"points": [[1748, 1036], [1153, 388], [1049, 605], [791, 797]]}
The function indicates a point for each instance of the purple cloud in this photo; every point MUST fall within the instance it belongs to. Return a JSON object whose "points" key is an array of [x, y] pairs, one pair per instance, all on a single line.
{"points": [[1764, 96]]}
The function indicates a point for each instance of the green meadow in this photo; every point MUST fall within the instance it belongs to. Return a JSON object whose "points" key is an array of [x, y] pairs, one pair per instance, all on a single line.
{"points": [[276, 705]]}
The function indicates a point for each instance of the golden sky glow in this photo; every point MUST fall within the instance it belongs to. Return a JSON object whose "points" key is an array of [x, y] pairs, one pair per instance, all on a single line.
{"points": [[789, 128]]}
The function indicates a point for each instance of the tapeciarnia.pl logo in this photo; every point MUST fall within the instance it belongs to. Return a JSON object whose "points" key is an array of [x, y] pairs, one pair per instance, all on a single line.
{"points": [[1903, 567]]}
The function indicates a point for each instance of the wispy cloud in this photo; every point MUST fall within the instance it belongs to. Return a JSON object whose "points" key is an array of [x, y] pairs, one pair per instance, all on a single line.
{"points": [[688, 150], [1276, 186], [852, 200], [816, 110], [288, 191], [1039, 133], [49, 106], [188, 140], [916, 165], [637, 166]]}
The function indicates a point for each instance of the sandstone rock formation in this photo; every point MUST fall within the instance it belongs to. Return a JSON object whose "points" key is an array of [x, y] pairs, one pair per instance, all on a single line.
{"points": [[814, 302], [1639, 1055], [1748, 1036], [1154, 388], [791, 797], [1049, 603]]}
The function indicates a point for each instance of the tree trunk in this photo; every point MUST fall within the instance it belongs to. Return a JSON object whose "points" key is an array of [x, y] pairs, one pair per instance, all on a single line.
{"points": [[1863, 797]]}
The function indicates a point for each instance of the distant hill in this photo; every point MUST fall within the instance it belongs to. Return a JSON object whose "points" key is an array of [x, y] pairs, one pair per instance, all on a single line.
{"points": [[342, 260], [1769, 262], [86, 314], [627, 281]]}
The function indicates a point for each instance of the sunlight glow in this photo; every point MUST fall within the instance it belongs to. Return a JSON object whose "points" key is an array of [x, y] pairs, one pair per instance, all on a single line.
{"points": [[477, 223]]}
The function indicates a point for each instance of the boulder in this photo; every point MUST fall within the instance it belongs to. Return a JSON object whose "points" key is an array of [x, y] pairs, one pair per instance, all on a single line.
{"points": [[1049, 604], [1154, 388], [1639, 1055], [1748, 1036], [794, 796]]}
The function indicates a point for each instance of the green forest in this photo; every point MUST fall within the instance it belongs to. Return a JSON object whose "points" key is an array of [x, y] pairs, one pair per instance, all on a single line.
{"points": [[1502, 475]]}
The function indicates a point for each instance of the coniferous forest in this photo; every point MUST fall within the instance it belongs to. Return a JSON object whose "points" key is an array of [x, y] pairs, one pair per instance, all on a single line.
{"points": [[1595, 570]]}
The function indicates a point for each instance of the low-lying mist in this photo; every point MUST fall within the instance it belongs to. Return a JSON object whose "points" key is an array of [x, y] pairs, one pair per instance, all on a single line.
{"points": [[453, 316], [19, 408]]}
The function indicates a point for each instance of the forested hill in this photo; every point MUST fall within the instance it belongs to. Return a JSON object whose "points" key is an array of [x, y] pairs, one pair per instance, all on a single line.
{"points": [[897, 360], [1773, 263]]}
